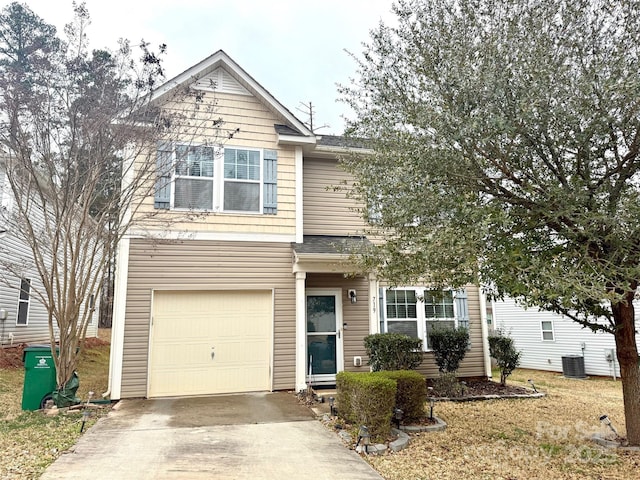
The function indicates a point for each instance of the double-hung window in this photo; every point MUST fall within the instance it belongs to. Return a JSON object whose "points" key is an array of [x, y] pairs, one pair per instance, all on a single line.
{"points": [[193, 177], [547, 330], [417, 311], [23, 302], [241, 180], [438, 312], [216, 179]]}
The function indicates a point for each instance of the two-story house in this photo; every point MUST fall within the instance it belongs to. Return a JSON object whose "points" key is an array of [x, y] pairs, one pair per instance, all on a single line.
{"points": [[257, 293]]}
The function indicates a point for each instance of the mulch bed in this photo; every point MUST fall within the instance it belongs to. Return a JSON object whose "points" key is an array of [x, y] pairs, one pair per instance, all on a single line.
{"points": [[486, 387], [11, 357]]}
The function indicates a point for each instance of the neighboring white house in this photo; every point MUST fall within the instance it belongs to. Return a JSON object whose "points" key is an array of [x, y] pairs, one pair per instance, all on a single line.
{"points": [[23, 319], [545, 337]]}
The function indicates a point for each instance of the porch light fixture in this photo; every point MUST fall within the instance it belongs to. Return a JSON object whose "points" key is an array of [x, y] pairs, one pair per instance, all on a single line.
{"points": [[352, 295], [607, 421], [365, 437]]}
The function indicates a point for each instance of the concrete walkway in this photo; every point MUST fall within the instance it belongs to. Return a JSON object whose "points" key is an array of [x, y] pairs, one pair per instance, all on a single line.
{"points": [[252, 436]]}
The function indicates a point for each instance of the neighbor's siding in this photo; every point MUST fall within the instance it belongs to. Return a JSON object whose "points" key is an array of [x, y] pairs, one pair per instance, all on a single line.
{"points": [[256, 130], [355, 315], [328, 211], [205, 265], [524, 326], [15, 251]]}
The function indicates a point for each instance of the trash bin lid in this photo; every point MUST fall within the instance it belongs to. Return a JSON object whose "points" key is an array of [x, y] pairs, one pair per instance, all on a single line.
{"points": [[38, 346]]}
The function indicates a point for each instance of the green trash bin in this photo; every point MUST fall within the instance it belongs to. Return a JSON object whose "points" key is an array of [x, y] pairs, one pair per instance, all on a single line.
{"points": [[39, 376]]}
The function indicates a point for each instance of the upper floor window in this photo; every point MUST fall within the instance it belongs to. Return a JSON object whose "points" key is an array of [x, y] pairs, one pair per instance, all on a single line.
{"points": [[219, 179], [416, 311], [23, 302]]}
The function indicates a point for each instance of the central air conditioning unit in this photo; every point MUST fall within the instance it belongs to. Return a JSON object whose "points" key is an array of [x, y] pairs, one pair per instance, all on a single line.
{"points": [[573, 366]]}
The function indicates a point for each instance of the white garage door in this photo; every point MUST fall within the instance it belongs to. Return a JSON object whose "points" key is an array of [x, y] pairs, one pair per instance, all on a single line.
{"points": [[210, 342]]}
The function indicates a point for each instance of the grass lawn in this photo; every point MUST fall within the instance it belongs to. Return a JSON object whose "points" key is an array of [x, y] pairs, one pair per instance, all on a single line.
{"points": [[30, 441], [542, 438]]}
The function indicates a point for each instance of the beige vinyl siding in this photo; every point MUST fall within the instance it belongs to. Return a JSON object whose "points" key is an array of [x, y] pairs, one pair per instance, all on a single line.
{"points": [[328, 211], [355, 315], [206, 265], [256, 130], [473, 363]]}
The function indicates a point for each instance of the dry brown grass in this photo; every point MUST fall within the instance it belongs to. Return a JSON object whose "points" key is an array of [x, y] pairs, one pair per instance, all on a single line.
{"points": [[30, 441], [545, 438]]}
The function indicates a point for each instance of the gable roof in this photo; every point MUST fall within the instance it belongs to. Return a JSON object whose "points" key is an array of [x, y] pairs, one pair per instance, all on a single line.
{"points": [[221, 60]]}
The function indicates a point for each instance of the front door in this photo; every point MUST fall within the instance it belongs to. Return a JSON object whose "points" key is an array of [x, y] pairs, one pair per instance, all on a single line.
{"points": [[324, 335]]}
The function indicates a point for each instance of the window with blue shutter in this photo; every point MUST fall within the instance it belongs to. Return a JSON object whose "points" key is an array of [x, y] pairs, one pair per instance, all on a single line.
{"points": [[422, 309], [270, 182], [190, 177]]}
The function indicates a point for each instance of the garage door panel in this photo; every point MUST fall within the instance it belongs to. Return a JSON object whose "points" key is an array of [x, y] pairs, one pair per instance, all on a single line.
{"points": [[186, 325]]}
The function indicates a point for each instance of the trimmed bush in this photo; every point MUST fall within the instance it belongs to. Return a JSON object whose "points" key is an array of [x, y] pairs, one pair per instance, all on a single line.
{"points": [[393, 351], [449, 346], [411, 392], [501, 348], [366, 399]]}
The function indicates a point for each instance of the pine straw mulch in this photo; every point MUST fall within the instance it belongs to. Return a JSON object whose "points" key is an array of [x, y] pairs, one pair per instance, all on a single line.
{"points": [[11, 357], [520, 438]]}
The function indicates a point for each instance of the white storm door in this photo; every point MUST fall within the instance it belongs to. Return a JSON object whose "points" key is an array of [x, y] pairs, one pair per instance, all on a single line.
{"points": [[324, 335]]}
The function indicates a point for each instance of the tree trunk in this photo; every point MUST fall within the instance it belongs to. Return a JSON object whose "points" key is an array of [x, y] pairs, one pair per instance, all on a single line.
{"points": [[627, 353]]}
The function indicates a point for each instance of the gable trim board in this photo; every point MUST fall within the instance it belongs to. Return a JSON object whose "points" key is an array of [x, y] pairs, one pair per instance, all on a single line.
{"points": [[220, 59]]}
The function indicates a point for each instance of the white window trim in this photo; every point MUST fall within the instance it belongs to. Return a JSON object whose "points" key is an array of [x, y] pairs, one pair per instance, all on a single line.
{"points": [[542, 331], [420, 313], [20, 301], [260, 180], [218, 181]]}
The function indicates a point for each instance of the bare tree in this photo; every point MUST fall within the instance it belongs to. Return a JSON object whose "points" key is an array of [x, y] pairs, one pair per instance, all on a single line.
{"points": [[79, 134]]}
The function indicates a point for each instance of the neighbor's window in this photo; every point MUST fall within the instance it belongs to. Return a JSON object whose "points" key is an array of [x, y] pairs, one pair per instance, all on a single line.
{"points": [[438, 311], [547, 329], [23, 302], [241, 180], [194, 177]]}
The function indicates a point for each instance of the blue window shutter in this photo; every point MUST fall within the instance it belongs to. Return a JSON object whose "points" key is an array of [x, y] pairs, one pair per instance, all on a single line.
{"points": [[462, 310], [270, 180], [162, 198]]}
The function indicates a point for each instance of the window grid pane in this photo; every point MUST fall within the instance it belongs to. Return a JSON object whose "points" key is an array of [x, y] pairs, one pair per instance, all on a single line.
{"points": [[241, 164], [401, 304]]}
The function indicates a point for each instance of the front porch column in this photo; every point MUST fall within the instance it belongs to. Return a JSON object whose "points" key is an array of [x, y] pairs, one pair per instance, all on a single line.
{"points": [[374, 315], [301, 331]]}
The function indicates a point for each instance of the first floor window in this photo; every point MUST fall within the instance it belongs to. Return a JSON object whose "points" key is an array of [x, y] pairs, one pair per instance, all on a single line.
{"points": [[417, 311], [438, 311], [547, 330], [23, 302]]}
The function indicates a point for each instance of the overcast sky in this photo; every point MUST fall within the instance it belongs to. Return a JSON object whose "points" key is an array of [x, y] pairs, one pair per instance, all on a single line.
{"points": [[293, 48]]}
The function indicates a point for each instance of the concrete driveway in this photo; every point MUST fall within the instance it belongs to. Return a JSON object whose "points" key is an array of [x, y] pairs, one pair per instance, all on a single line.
{"points": [[251, 436]]}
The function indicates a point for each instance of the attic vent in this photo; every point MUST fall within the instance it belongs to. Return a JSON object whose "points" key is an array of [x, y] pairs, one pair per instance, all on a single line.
{"points": [[573, 366], [220, 81]]}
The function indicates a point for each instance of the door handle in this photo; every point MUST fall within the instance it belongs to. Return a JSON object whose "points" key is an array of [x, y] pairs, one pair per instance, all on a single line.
{"points": [[338, 332], [213, 354]]}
